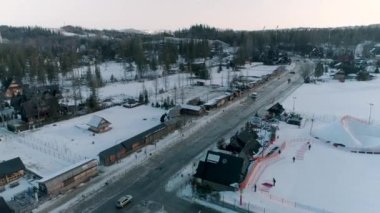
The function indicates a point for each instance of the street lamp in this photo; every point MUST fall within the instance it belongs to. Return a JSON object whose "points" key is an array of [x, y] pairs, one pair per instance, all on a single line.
{"points": [[294, 103], [370, 112]]}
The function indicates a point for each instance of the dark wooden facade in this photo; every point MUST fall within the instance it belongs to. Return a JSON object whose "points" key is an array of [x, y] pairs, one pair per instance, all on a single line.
{"points": [[137, 142], [69, 178], [11, 170]]}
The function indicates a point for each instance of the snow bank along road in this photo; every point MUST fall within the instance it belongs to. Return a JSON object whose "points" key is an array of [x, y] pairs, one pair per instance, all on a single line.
{"points": [[147, 181]]}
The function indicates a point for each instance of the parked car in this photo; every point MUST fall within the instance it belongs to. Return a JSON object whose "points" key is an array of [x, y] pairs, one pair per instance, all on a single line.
{"points": [[124, 201]]}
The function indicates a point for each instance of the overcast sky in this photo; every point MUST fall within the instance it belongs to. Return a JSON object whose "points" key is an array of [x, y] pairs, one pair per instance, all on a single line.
{"points": [[176, 14]]}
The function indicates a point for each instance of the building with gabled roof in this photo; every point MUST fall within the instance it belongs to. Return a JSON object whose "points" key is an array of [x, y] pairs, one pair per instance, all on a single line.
{"points": [[13, 89], [11, 170], [99, 124], [69, 177], [276, 110], [219, 171]]}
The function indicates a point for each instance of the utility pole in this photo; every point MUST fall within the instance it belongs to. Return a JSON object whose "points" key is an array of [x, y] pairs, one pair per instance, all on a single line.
{"points": [[370, 112], [312, 122]]}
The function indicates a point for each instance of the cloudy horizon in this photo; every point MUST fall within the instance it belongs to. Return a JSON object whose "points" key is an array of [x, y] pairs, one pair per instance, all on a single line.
{"points": [[151, 15]]}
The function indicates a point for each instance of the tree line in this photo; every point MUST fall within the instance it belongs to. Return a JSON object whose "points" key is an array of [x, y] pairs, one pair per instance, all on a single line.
{"points": [[41, 55]]}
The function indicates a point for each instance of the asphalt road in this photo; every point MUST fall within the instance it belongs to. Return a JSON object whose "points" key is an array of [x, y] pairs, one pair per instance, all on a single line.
{"points": [[146, 182]]}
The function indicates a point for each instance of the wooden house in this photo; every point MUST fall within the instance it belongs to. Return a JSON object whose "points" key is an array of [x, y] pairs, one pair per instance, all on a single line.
{"points": [[68, 178], [276, 110], [98, 124], [250, 146], [39, 107], [219, 172], [11, 170], [29, 111], [14, 89]]}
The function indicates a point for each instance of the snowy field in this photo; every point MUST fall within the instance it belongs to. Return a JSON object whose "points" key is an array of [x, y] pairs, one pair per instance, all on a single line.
{"points": [[123, 89], [332, 99], [53, 147], [324, 178], [57, 146]]}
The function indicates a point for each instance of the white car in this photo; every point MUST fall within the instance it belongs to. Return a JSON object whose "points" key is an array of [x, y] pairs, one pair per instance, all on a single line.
{"points": [[123, 201]]}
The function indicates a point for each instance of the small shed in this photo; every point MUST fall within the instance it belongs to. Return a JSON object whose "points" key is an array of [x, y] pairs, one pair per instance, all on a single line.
{"points": [[340, 76], [98, 124], [11, 170]]}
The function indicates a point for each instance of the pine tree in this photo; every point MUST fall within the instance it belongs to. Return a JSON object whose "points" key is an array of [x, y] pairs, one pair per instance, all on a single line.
{"points": [[146, 98], [98, 77], [92, 101], [89, 77], [318, 70]]}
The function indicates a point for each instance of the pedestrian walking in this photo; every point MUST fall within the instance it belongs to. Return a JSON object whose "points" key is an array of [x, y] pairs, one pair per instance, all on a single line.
{"points": [[294, 159], [274, 182], [254, 188], [309, 146], [279, 151]]}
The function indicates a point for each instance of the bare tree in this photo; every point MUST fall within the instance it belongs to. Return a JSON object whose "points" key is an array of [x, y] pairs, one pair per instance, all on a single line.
{"points": [[155, 84], [183, 95], [165, 80], [175, 94], [228, 78]]}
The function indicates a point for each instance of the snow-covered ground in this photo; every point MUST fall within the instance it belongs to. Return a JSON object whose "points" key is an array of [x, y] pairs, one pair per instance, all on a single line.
{"points": [[324, 178], [123, 89], [57, 146], [332, 100], [116, 171], [50, 148]]}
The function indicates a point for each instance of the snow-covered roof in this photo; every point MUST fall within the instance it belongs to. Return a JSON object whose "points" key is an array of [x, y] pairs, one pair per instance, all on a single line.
{"points": [[64, 170], [211, 102], [96, 121], [191, 107], [215, 100]]}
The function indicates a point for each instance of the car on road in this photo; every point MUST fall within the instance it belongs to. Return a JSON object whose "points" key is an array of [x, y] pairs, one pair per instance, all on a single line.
{"points": [[254, 95], [124, 201]]}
